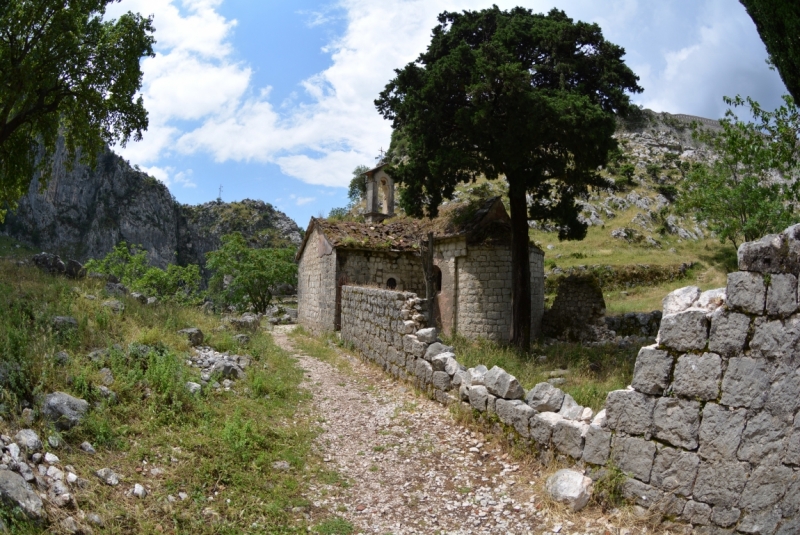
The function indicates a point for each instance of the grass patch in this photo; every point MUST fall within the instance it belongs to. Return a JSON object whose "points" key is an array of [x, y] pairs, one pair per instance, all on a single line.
{"points": [[591, 372], [217, 447], [324, 347], [334, 526]]}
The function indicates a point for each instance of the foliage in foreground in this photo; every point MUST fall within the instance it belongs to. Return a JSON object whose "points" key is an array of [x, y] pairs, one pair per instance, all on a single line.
{"points": [[778, 24], [249, 277], [218, 447], [67, 72], [751, 189], [129, 264]]}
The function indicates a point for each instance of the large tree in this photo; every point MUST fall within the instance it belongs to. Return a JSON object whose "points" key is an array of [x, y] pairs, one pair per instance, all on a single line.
{"points": [[778, 24], [530, 97], [66, 72]]}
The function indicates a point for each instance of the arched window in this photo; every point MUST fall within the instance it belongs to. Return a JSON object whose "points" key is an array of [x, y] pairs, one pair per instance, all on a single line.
{"points": [[437, 279], [391, 283]]}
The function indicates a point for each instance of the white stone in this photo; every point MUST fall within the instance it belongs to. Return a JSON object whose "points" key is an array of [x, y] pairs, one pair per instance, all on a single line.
{"points": [[545, 397], [49, 458], [680, 299], [139, 491], [746, 292], [570, 487], [428, 335]]}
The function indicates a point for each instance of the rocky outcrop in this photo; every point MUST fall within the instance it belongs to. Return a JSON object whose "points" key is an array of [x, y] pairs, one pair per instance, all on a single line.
{"points": [[83, 213]]}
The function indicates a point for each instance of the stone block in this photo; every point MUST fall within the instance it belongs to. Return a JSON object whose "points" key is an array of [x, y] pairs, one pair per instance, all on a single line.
{"points": [[597, 445], [630, 412], [762, 437], [570, 409], [505, 409], [408, 327], [428, 335], [441, 380], [542, 425], [697, 513], [760, 523], [491, 404], [502, 384], [775, 338], [746, 292], [765, 487], [477, 397], [698, 376], [570, 487], [434, 349], [413, 346], [684, 331], [680, 300], [720, 483], [674, 471], [746, 383], [568, 437], [545, 397], [641, 493], [767, 255], [790, 505], [477, 374], [725, 516], [439, 363], [783, 400], [789, 526], [721, 432], [463, 392], [424, 371], [711, 300], [652, 370], [634, 456], [792, 452], [728, 332], [461, 377], [782, 295]]}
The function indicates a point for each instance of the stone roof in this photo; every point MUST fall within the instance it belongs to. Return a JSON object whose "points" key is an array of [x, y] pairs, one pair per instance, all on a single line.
{"points": [[481, 222]]}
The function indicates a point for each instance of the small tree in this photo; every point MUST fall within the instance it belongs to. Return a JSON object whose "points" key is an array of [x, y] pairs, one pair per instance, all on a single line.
{"points": [[751, 188], [358, 184], [247, 277]]}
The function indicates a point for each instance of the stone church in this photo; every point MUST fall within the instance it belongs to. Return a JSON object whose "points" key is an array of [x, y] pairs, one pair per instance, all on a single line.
{"points": [[472, 264]]}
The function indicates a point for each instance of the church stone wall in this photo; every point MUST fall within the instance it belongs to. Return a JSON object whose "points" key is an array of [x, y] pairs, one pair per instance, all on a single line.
{"points": [[374, 268], [316, 285]]}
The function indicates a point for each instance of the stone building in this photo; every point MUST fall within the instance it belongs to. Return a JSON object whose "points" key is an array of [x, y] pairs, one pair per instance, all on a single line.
{"points": [[472, 264]]}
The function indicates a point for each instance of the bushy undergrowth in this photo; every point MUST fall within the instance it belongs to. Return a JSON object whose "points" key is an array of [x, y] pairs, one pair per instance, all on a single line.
{"points": [[216, 446], [129, 264]]}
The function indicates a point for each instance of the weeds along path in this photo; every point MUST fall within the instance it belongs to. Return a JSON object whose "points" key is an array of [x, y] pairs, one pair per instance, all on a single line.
{"points": [[396, 462]]}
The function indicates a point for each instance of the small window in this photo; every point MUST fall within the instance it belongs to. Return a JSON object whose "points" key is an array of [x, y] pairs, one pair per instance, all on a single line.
{"points": [[391, 283], [437, 279]]}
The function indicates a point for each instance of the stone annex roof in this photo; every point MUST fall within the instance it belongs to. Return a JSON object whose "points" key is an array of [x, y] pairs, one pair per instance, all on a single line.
{"points": [[479, 222]]}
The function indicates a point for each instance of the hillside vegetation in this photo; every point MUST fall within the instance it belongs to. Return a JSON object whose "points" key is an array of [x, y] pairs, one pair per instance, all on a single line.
{"points": [[229, 458]]}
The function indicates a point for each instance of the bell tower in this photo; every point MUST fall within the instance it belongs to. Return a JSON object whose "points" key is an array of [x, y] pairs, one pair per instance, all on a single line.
{"points": [[380, 195]]}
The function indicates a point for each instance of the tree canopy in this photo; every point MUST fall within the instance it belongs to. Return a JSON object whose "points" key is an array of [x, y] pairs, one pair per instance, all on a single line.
{"points": [[530, 97], [66, 72], [778, 24], [245, 276], [751, 188]]}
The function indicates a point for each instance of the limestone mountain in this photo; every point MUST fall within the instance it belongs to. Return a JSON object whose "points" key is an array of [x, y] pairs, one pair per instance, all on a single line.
{"points": [[83, 213]]}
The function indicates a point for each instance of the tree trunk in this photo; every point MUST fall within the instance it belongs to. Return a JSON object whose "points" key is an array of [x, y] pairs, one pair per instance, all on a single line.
{"points": [[520, 266]]}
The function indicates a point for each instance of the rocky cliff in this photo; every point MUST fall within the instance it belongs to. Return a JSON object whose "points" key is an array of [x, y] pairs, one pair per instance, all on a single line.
{"points": [[83, 213]]}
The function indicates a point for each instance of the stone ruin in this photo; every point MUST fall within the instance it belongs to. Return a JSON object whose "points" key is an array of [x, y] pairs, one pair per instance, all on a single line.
{"points": [[708, 433]]}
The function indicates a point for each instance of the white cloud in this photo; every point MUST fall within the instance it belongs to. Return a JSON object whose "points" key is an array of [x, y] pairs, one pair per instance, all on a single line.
{"points": [[687, 55], [724, 56], [300, 201], [169, 177]]}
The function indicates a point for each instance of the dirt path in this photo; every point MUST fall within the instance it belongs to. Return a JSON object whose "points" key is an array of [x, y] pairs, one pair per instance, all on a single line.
{"points": [[412, 469]]}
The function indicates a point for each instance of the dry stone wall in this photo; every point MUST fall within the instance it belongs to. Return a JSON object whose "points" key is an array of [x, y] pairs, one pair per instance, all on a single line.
{"points": [[707, 434]]}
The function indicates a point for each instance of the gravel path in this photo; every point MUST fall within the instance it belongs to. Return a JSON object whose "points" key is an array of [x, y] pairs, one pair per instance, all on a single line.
{"points": [[410, 468]]}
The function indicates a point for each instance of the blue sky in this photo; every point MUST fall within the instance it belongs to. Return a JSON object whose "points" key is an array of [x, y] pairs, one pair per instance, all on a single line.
{"points": [[273, 100]]}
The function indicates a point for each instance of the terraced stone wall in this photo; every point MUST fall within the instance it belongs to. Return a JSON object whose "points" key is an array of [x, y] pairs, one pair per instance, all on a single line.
{"points": [[708, 433]]}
